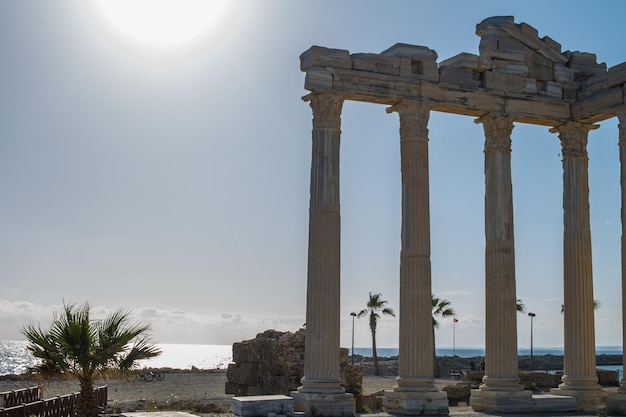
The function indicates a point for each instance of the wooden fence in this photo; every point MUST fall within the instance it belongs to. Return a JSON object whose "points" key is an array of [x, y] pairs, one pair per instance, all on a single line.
{"points": [[54, 407], [19, 396]]}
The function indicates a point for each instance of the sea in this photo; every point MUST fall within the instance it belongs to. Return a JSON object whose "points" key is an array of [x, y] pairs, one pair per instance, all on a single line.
{"points": [[15, 358]]}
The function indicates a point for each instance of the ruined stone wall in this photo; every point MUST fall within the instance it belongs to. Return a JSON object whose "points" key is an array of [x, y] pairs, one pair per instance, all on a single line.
{"points": [[273, 363]]}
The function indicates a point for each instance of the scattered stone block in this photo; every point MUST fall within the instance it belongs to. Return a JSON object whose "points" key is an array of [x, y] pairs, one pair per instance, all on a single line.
{"points": [[261, 405]]}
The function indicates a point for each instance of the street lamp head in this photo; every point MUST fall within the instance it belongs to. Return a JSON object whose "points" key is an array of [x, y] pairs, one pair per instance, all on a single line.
{"points": [[531, 314], [353, 314]]}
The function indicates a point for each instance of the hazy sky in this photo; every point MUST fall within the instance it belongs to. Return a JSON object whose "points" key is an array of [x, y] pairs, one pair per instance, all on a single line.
{"points": [[168, 172]]}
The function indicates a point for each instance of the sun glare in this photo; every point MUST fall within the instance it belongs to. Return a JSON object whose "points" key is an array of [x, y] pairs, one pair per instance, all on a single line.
{"points": [[162, 23]]}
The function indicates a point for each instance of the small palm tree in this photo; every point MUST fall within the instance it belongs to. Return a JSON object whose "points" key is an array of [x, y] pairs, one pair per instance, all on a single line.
{"points": [[79, 348], [375, 306], [596, 305]]}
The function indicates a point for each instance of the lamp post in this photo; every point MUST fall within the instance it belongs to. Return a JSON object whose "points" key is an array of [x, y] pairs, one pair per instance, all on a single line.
{"points": [[531, 315], [352, 351]]}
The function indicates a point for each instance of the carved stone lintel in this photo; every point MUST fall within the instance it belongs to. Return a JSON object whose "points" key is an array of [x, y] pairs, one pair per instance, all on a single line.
{"points": [[498, 131], [326, 110], [413, 119], [573, 138]]}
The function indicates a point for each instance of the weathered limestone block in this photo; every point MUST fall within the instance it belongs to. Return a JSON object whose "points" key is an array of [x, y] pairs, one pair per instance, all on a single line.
{"points": [[617, 75], [419, 52], [273, 363], [243, 373], [493, 21], [497, 44], [570, 91], [553, 89], [584, 65], [421, 63], [501, 81], [376, 63], [511, 67], [318, 79], [541, 68], [458, 393], [261, 405], [462, 60], [318, 56], [562, 73], [463, 77], [595, 84]]}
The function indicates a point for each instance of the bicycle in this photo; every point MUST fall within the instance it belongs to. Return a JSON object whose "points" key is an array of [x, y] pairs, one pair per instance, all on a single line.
{"points": [[147, 375]]}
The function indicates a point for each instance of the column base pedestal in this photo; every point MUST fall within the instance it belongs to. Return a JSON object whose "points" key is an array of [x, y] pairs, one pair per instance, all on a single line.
{"points": [[323, 404], [415, 403], [586, 400], [616, 404], [518, 401]]}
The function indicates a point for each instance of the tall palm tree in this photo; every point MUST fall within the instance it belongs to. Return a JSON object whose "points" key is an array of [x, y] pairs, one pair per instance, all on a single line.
{"points": [[442, 309], [77, 347], [375, 307]]}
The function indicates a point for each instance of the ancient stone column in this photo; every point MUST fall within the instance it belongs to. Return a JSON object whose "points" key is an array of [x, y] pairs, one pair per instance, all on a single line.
{"points": [[579, 359], [616, 404], [321, 392], [501, 380], [415, 392], [622, 160]]}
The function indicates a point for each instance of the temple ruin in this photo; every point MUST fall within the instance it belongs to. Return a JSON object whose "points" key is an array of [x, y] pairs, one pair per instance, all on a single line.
{"points": [[517, 77]]}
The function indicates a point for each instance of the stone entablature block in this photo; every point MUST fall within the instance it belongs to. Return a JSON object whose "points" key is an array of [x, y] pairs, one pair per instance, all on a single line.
{"points": [[514, 64]]}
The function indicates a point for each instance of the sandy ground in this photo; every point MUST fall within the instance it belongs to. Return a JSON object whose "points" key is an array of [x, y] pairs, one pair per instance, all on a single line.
{"points": [[200, 391]]}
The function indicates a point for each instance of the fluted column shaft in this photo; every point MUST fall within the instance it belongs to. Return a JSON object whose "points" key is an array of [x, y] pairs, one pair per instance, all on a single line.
{"points": [[579, 344], [501, 371], [622, 159], [416, 339], [321, 359]]}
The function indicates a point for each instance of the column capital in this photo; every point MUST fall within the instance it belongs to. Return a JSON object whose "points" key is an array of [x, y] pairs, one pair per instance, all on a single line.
{"points": [[326, 110], [573, 137], [498, 129], [414, 118]]}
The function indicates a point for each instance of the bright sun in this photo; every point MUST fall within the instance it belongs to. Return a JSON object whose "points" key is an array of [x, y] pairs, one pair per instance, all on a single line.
{"points": [[162, 23]]}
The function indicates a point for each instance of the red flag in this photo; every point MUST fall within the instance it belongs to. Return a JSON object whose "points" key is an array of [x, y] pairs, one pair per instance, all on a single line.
{"points": [[456, 320]]}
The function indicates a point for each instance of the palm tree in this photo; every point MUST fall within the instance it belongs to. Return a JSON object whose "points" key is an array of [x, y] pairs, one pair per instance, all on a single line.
{"points": [[77, 347], [441, 308], [375, 306], [596, 305]]}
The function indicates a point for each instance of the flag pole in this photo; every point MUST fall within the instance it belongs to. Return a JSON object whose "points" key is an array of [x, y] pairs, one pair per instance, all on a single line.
{"points": [[454, 336]]}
